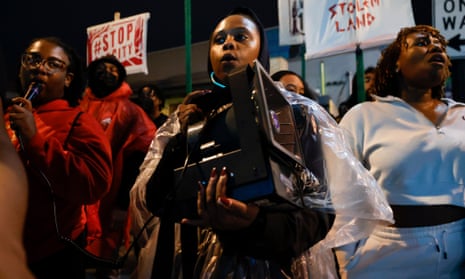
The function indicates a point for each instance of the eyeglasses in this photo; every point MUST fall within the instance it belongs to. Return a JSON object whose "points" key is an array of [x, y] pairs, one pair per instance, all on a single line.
{"points": [[34, 61]]}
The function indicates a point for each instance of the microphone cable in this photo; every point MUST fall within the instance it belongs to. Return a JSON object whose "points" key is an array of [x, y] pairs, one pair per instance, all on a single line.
{"points": [[103, 262]]}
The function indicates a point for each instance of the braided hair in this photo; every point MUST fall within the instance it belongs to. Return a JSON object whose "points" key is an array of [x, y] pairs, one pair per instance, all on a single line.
{"points": [[387, 75]]}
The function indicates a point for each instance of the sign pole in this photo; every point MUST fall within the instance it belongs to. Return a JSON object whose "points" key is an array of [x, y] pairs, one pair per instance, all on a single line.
{"points": [[360, 75], [188, 39], [323, 78], [302, 56]]}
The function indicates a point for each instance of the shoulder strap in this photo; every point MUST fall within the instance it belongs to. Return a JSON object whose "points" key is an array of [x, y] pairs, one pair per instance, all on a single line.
{"points": [[71, 129]]}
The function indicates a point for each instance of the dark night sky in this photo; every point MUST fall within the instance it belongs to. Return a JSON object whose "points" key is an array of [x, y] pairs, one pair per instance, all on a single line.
{"points": [[25, 20]]}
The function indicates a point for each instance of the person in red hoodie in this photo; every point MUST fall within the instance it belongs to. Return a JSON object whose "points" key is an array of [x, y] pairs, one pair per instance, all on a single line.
{"points": [[65, 153], [130, 131]]}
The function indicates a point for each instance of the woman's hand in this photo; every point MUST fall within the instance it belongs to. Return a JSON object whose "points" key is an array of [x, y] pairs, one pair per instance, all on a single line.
{"points": [[21, 118], [218, 211], [189, 113]]}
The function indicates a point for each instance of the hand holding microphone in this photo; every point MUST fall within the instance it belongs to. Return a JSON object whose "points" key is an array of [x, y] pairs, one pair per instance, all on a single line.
{"points": [[21, 118], [33, 90], [188, 112]]}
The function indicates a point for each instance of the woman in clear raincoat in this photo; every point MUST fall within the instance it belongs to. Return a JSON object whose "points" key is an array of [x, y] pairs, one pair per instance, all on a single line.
{"points": [[233, 239]]}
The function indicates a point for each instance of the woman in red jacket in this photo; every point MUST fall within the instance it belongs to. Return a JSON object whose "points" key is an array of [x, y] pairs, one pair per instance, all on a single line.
{"points": [[66, 155]]}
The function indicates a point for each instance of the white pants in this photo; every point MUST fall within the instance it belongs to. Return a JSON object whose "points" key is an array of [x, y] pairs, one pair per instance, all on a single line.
{"points": [[419, 252]]}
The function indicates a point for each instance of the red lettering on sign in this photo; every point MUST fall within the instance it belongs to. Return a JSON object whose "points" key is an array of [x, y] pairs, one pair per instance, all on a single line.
{"points": [[362, 20], [350, 7], [129, 31], [105, 46]]}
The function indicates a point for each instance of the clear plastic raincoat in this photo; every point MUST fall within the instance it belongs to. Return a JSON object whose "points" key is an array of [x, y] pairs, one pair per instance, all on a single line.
{"points": [[349, 191]]}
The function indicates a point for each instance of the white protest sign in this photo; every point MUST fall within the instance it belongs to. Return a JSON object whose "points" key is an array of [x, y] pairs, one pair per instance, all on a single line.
{"points": [[124, 38], [336, 26]]}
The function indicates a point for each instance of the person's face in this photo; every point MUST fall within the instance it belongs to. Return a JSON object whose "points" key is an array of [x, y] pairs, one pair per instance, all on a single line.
{"points": [[292, 83], [235, 42], [423, 61], [47, 63], [107, 74], [156, 102], [150, 93], [104, 78], [369, 80], [112, 69]]}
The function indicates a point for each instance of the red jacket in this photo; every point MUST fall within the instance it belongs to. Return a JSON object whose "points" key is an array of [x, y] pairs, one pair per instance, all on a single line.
{"points": [[130, 132], [79, 174]]}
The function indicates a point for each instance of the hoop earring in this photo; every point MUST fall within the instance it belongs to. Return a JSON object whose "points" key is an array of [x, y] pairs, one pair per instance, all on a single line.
{"points": [[212, 78]]}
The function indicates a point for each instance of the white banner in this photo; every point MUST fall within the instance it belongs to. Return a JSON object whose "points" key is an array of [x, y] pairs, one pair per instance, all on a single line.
{"points": [[291, 22], [125, 38], [336, 26]]}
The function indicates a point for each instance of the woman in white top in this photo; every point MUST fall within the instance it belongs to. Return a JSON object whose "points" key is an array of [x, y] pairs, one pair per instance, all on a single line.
{"points": [[413, 142]]}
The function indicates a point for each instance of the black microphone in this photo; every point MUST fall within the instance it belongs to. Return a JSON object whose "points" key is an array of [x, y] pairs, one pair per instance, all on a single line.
{"points": [[33, 90]]}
